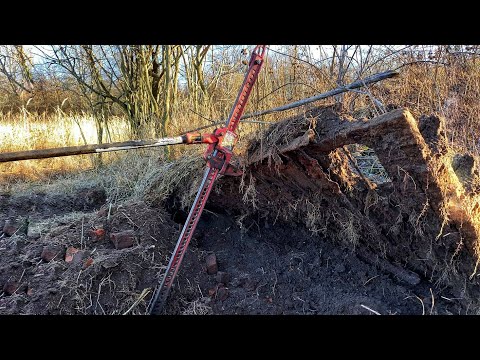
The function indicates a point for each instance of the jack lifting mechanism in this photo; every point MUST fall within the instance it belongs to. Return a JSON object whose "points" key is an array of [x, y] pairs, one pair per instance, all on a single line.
{"points": [[217, 155]]}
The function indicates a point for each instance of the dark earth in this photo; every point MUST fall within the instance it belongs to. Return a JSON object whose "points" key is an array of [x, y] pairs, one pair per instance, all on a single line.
{"points": [[263, 268]]}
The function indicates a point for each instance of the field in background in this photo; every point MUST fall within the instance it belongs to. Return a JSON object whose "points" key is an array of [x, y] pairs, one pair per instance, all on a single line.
{"points": [[33, 131]]}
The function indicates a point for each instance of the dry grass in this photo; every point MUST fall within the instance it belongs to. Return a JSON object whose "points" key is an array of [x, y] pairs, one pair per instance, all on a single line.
{"points": [[34, 131]]}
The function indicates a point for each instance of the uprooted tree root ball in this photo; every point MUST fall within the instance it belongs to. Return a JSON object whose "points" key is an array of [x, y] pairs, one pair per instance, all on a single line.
{"points": [[305, 229], [424, 220]]}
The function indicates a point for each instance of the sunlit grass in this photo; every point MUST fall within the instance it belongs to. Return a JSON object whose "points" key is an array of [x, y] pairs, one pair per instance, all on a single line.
{"points": [[37, 132]]}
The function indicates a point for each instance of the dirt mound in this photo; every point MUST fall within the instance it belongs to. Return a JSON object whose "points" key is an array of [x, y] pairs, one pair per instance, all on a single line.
{"points": [[265, 269]]}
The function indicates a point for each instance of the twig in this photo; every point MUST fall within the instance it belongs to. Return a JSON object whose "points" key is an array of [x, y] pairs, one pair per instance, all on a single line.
{"points": [[78, 277], [422, 61], [131, 221], [450, 299], [373, 311], [98, 295], [211, 212], [21, 277], [81, 236], [144, 293], [421, 301], [366, 282], [201, 293], [19, 281], [433, 302], [203, 117], [109, 211], [19, 228]]}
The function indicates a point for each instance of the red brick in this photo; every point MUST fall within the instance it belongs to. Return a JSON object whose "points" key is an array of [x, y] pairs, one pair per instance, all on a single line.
{"points": [[96, 234], [10, 287], [123, 239], [30, 291], [212, 292], [212, 266]]}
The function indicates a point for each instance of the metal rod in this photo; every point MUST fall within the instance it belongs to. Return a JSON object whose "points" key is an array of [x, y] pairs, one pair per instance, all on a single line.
{"points": [[87, 149]]}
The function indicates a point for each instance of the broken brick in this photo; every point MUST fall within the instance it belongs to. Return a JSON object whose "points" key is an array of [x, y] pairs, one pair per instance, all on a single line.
{"points": [[71, 251], [50, 252], [222, 293], [10, 287], [212, 266], [222, 277], [87, 263], [97, 234], [212, 292], [123, 239], [29, 291]]}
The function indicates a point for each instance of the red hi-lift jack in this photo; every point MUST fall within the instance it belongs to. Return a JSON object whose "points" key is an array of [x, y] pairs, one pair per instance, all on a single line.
{"points": [[217, 155]]}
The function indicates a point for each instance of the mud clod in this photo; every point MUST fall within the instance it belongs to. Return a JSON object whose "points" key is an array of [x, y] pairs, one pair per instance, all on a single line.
{"points": [[222, 277], [51, 252], [10, 287], [222, 293], [211, 262], [9, 229]]}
